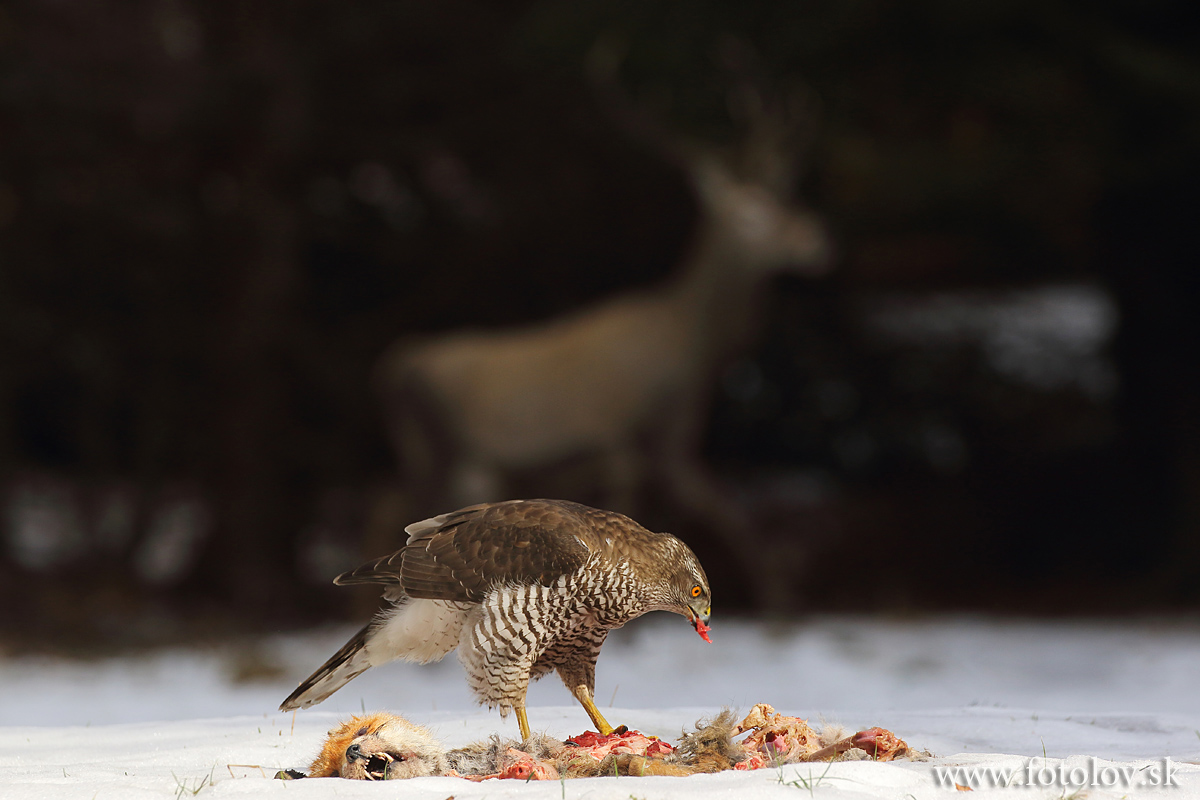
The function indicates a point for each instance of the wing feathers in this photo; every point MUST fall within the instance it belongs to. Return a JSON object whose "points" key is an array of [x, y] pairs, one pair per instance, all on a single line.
{"points": [[385, 570], [462, 554], [342, 667]]}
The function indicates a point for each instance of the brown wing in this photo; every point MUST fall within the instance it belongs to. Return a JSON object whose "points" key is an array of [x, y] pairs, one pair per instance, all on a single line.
{"points": [[459, 556]]}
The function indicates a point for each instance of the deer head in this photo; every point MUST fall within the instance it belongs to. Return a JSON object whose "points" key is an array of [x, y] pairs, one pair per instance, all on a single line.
{"points": [[743, 188], [755, 228]]}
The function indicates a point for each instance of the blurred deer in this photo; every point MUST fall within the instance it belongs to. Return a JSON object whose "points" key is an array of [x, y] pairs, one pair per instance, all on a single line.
{"points": [[626, 381]]}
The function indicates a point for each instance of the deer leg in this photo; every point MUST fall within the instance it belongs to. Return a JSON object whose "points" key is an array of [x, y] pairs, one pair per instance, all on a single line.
{"points": [[689, 483], [426, 450], [772, 567]]}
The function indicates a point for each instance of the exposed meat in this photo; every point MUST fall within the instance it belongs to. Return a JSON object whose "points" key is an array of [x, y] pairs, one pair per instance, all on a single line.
{"points": [[527, 768], [626, 741], [518, 765], [880, 743], [775, 738]]}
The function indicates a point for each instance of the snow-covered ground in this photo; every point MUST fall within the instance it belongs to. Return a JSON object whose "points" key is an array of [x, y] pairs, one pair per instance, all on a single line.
{"points": [[1093, 698]]}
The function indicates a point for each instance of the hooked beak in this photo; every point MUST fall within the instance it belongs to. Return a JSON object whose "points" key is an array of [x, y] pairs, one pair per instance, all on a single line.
{"points": [[698, 622]]}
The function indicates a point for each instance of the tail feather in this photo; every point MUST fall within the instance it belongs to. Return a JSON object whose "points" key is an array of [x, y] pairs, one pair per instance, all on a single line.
{"points": [[345, 665]]}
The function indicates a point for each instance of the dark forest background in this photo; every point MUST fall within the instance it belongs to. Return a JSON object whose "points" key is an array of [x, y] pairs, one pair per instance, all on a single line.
{"points": [[214, 218]]}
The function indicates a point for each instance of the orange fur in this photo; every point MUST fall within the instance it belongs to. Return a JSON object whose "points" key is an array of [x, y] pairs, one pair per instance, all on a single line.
{"points": [[412, 749], [331, 759]]}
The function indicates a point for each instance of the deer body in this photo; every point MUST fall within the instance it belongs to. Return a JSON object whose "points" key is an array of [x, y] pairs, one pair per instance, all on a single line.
{"points": [[527, 397], [600, 380]]}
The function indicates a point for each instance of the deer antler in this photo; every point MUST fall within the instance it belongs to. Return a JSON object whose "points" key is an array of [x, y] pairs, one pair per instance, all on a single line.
{"points": [[774, 130], [638, 118], [778, 127]]}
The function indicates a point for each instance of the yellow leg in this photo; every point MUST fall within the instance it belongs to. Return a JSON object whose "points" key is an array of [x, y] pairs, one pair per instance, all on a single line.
{"points": [[585, 699], [523, 722]]}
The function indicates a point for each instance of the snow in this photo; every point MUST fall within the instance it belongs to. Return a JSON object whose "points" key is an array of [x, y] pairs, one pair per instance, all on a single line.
{"points": [[1046, 337], [1095, 698]]}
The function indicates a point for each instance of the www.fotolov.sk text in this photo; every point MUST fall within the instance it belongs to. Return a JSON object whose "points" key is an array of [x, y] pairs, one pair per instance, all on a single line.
{"points": [[1072, 773]]}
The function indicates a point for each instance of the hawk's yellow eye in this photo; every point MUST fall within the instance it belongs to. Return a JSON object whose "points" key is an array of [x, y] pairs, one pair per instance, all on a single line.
{"points": [[696, 590]]}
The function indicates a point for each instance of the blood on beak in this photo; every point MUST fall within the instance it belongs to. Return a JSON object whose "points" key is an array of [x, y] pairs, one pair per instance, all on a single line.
{"points": [[699, 625]]}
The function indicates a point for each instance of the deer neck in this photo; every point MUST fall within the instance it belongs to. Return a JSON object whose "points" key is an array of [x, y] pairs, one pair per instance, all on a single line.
{"points": [[717, 292]]}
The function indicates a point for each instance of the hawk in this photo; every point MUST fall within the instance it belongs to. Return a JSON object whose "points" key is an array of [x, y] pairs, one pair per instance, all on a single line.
{"points": [[520, 588]]}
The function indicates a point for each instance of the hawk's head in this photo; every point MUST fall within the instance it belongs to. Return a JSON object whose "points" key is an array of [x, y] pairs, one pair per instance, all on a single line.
{"points": [[688, 589]]}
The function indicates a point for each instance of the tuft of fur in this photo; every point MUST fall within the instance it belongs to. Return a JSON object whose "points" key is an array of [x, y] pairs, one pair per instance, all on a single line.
{"points": [[710, 747], [495, 756], [630, 764], [386, 747], [832, 732], [491, 756]]}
